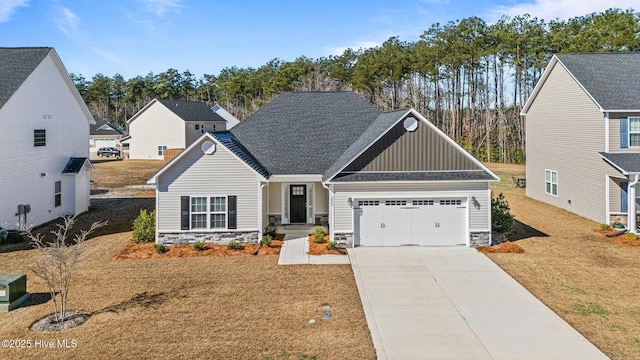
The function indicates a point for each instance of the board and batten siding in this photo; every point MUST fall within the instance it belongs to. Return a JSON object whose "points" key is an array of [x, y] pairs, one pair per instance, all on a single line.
{"points": [[565, 132], [614, 132], [218, 174], [44, 101], [321, 205], [156, 126], [479, 215]]}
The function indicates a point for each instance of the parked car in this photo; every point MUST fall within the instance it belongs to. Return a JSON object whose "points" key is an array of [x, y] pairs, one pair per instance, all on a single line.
{"points": [[108, 152]]}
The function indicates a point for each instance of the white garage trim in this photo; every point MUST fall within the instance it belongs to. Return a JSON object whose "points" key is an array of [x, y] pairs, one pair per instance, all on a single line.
{"points": [[436, 209]]}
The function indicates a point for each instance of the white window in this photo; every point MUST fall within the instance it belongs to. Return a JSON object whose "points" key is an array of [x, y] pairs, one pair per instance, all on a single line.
{"points": [[551, 182], [634, 131], [199, 212], [39, 137], [57, 193], [161, 149], [218, 208]]}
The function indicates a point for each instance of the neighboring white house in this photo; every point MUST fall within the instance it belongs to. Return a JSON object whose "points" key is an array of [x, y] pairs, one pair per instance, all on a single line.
{"points": [[231, 120], [332, 159], [104, 134], [169, 124], [45, 126]]}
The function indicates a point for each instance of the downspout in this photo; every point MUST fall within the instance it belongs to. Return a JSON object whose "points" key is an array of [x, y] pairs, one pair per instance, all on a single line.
{"points": [[631, 202], [330, 189]]}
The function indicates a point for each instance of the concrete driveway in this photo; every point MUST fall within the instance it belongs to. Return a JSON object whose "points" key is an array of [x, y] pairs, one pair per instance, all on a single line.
{"points": [[454, 303]]}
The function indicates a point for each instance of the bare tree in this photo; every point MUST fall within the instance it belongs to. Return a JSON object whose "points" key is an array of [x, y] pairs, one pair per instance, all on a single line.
{"points": [[57, 261]]}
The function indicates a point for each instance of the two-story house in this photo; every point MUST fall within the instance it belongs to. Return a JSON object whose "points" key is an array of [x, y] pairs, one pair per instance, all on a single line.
{"points": [[45, 126], [169, 124], [583, 136]]}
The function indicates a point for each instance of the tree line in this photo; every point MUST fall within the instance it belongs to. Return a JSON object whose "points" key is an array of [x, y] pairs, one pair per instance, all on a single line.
{"points": [[468, 77]]}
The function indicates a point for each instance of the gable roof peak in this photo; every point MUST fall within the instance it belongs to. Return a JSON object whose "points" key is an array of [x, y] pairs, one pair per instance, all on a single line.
{"points": [[16, 64]]}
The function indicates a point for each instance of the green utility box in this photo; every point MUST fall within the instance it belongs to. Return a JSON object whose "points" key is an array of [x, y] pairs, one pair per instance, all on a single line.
{"points": [[13, 291]]}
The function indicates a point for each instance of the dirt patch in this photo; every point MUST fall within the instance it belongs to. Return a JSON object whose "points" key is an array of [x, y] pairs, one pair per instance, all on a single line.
{"points": [[321, 249], [504, 248], [73, 318]]}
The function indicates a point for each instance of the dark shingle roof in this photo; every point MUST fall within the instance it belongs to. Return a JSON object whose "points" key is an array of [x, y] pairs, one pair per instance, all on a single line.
{"points": [[98, 128], [305, 132], [231, 143], [383, 122], [417, 176], [74, 165], [626, 162], [612, 79], [191, 110], [16, 64]]}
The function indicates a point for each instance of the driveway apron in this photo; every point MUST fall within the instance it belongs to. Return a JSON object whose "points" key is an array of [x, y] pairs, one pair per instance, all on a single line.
{"points": [[454, 303]]}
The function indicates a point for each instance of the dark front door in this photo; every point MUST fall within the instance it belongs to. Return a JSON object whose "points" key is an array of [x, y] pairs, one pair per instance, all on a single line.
{"points": [[298, 204]]}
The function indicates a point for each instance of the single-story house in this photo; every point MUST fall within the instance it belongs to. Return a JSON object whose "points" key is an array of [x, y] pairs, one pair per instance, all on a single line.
{"points": [[373, 178], [583, 136]]}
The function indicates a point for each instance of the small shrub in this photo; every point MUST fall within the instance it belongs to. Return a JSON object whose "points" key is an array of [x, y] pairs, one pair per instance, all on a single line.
{"points": [[199, 245], [144, 227], [160, 248], [267, 240], [605, 227], [234, 245], [332, 245], [271, 230], [501, 218], [631, 236], [318, 235]]}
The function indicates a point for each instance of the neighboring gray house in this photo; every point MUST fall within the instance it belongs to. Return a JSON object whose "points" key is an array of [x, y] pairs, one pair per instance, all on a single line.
{"points": [[169, 124], [326, 158], [583, 135], [104, 134]]}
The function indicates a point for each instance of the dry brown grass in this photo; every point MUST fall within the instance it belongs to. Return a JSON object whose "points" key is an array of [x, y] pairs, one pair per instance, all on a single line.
{"points": [[589, 281], [236, 307], [117, 174]]}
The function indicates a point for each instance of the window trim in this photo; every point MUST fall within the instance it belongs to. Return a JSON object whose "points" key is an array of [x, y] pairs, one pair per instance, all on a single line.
{"points": [[161, 149], [209, 212], [39, 141], [550, 182], [629, 132], [57, 193]]}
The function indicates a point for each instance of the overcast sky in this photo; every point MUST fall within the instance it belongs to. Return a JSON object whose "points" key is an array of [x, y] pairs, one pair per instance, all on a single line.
{"points": [[135, 37]]}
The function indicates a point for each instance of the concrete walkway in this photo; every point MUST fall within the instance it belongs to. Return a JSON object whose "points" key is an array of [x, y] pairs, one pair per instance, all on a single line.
{"points": [[295, 250], [454, 303]]}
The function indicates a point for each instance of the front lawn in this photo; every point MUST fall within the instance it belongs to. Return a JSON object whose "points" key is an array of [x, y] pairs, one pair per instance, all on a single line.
{"points": [[590, 281], [243, 307]]}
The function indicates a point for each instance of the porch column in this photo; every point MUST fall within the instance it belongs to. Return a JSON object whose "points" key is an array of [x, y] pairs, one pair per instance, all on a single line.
{"points": [[631, 204]]}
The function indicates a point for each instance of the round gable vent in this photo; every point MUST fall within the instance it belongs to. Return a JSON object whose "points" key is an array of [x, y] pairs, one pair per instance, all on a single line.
{"points": [[208, 147], [410, 124]]}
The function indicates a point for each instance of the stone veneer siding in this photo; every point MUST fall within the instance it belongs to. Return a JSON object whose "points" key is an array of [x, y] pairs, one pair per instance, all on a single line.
{"points": [[321, 220], [344, 239], [207, 237], [480, 239]]}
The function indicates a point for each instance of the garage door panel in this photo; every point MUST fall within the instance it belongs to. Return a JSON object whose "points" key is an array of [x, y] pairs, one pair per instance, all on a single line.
{"points": [[452, 223]]}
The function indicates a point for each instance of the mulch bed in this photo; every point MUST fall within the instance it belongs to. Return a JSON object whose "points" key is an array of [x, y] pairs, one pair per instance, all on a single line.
{"points": [[622, 239], [146, 250], [321, 249], [73, 318], [503, 248]]}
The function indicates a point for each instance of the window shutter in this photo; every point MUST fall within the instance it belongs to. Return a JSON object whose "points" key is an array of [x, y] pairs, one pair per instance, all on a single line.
{"points": [[232, 212], [624, 133], [623, 197], [184, 213], [284, 190], [310, 200]]}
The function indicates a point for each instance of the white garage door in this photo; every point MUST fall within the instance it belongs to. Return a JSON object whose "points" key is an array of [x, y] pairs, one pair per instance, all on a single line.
{"points": [[393, 222], [99, 143]]}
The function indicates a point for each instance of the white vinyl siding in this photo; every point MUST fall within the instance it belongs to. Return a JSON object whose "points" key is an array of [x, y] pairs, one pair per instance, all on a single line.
{"points": [[196, 174], [560, 108], [156, 126], [551, 182], [479, 212], [46, 100]]}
